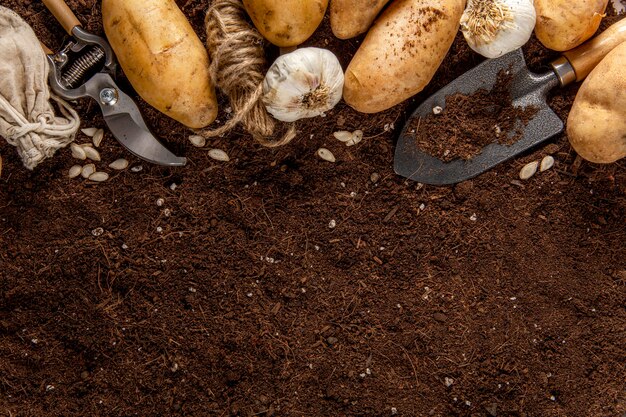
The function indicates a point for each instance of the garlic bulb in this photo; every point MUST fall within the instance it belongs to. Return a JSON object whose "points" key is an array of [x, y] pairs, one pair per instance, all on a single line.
{"points": [[495, 27], [304, 83]]}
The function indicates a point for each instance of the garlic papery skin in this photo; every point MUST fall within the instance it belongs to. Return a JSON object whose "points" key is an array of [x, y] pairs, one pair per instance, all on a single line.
{"points": [[496, 27], [304, 83]]}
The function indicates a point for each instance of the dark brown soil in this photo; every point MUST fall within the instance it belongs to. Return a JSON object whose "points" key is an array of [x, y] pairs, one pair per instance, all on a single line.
{"points": [[469, 123], [236, 298]]}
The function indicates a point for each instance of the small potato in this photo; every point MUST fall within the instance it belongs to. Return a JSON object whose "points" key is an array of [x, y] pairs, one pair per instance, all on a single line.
{"points": [[564, 24], [286, 22], [350, 18], [596, 126], [401, 53], [163, 58]]}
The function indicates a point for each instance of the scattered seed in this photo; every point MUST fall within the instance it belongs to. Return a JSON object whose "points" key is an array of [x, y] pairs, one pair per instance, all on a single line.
{"points": [[374, 177], [437, 110], [78, 152], [219, 155], [119, 164], [92, 153], [160, 202], [75, 171], [326, 155], [89, 131], [197, 141], [546, 163], [88, 170], [357, 136], [343, 135], [99, 176], [528, 170], [97, 138]]}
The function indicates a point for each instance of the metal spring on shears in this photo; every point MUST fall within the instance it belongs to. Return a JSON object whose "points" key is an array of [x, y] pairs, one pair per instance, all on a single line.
{"points": [[80, 67]]}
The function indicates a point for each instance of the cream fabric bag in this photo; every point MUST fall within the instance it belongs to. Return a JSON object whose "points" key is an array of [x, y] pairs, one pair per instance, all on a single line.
{"points": [[27, 118]]}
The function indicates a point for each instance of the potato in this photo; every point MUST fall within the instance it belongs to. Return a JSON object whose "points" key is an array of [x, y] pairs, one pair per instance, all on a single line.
{"points": [[350, 18], [596, 125], [286, 22], [564, 24], [162, 57], [401, 53]]}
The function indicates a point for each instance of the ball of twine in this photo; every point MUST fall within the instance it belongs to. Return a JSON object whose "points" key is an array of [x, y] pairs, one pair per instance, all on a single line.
{"points": [[238, 69]]}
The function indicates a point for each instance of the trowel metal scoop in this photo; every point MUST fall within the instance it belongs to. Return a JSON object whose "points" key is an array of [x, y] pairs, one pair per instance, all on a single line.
{"points": [[526, 89], [90, 73]]}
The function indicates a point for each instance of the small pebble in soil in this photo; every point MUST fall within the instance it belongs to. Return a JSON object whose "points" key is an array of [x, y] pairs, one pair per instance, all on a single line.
{"points": [[98, 231], [546, 163], [119, 164], [78, 152], [528, 170], [448, 381], [197, 141], [437, 110], [87, 170], [167, 212], [89, 131], [440, 317], [394, 411], [49, 387], [332, 224], [388, 127], [422, 206], [99, 176], [332, 340], [159, 229], [75, 171], [97, 138], [374, 177], [160, 202], [473, 217], [326, 155], [137, 168], [124, 246], [219, 155]]}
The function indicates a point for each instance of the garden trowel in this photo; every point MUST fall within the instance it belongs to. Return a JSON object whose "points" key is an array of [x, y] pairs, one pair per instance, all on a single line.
{"points": [[526, 89], [91, 74]]}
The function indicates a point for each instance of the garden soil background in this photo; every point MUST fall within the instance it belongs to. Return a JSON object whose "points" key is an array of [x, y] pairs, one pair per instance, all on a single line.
{"points": [[234, 297]]}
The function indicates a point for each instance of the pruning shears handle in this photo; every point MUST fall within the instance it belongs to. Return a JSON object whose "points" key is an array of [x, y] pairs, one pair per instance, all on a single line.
{"points": [[63, 14]]}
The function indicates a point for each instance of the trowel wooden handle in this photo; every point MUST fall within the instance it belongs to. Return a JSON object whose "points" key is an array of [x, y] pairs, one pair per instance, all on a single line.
{"points": [[585, 58], [63, 14]]}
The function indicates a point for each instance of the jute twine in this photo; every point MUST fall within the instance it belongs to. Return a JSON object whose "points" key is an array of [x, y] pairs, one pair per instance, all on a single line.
{"points": [[238, 69]]}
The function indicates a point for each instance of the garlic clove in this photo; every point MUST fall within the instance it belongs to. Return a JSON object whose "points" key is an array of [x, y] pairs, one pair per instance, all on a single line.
{"points": [[326, 155], [219, 155], [496, 27], [304, 83]]}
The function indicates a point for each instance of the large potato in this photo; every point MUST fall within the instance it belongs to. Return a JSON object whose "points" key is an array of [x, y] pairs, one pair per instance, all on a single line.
{"points": [[286, 22], [349, 18], [401, 53], [162, 57], [596, 126], [564, 24]]}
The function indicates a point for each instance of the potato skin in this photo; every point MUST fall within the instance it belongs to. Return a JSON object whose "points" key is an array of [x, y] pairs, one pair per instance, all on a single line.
{"points": [[401, 53], [350, 18], [596, 125], [286, 22], [564, 24], [162, 57]]}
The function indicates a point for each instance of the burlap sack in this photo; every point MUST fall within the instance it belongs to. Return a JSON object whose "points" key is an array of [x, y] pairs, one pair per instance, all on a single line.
{"points": [[27, 118]]}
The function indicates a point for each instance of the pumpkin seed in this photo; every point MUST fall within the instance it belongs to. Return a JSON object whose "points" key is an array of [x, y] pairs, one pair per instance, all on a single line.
{"points": [[89, 131], [219, 155], [119, 164], [197, 141], [326, 155], [357, 136], [91, 153], [97, 138], [528, 170], [546, 163], [99, 176], [88, 170], [343, 135], [75, 171], [137, 168], [78, 152]]}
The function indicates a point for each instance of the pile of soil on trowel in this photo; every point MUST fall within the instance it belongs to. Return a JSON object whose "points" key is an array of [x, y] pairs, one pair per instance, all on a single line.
{"points": [[469, 123]]}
